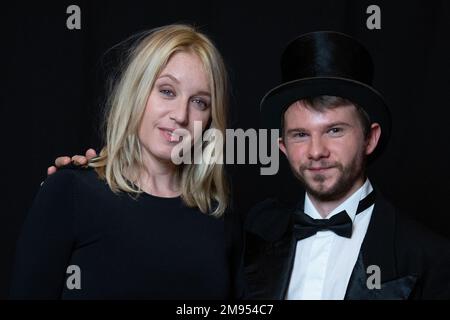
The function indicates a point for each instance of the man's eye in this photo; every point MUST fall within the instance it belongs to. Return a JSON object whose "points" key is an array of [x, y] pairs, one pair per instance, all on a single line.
{"points": [[299, 135], [335, 131]]}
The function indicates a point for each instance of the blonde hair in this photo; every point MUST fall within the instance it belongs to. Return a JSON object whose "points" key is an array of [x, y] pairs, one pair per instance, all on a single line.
{"points": [[202, 185]]}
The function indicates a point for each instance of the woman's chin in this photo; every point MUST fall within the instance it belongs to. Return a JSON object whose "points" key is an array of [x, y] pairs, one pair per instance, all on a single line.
{"points": [[165, 157], [163, 153]]}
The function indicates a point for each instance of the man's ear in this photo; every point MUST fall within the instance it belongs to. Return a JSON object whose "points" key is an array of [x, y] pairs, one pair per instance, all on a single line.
{"points": [[373, 138], [282, 146]]}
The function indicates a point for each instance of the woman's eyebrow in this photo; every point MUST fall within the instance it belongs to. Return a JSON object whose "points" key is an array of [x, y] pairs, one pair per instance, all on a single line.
{"points": [[170, 77], [199, 93], [203, 93]]}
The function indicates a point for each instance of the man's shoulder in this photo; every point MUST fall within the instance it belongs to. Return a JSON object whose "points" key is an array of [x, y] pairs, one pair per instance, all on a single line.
{"points": [[411, 233], [419, 235], [420, 250]]}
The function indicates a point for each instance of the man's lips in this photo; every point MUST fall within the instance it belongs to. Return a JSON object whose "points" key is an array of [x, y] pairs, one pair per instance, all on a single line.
{"points": [[319, 169]]}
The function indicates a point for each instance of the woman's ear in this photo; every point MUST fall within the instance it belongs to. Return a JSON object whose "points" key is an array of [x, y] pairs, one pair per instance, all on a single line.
{"points": [[373, 138]]}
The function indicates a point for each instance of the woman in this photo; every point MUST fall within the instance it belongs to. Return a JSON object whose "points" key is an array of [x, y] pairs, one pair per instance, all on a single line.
{"points": [[135, 225]]}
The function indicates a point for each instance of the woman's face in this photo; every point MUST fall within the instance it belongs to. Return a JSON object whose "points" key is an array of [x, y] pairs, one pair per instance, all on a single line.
{"points": [[181, 95]]}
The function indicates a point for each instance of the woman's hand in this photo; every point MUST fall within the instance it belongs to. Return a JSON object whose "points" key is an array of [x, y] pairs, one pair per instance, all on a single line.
{"points": [[76, 160]]}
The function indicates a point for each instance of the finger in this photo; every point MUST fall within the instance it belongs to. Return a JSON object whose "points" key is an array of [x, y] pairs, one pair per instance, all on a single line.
{"points": [[90, 153], [62, 161], [79, 160], [51, 170]]}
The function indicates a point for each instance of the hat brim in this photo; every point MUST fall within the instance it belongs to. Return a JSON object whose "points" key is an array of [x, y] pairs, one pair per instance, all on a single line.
{"points": [[276, 101]]}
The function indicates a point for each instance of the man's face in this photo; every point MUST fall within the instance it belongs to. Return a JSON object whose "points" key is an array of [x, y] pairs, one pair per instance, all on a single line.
{"points": [[327, 149]]}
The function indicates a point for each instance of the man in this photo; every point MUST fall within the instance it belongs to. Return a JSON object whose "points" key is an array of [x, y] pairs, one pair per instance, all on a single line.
{"points": [[342, 240]]}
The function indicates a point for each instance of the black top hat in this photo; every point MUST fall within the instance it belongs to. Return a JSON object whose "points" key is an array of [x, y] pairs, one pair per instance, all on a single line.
{"points": [[326, 63]]}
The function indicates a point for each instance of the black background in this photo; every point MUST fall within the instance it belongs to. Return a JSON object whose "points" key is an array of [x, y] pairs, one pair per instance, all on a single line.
{"points": [[53, 83]]}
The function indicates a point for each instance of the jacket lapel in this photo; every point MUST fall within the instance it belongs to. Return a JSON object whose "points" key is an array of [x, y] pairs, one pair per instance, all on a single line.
{"points": [[270, 259], [278, 264], [378, 249]]}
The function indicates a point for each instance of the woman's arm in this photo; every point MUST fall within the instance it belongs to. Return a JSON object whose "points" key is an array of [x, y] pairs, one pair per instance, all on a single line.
{"points": [[45, 245]]}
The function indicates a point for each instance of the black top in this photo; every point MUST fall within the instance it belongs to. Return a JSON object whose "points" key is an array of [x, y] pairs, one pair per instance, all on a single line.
{"points": [[149, 247]]}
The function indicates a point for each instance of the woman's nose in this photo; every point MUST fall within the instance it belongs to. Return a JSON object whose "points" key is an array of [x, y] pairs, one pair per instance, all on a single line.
{"points": [[180, 114]]}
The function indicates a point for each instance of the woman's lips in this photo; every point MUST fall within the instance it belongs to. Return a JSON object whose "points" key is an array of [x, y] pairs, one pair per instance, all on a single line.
{"points": [[169, 135]]}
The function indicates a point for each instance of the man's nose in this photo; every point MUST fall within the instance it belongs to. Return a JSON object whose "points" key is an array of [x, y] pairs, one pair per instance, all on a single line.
{"points": [[317, 149]]}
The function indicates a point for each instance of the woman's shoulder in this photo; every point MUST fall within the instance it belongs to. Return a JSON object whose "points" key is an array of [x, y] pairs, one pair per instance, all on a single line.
{"points": [[71, 176]]}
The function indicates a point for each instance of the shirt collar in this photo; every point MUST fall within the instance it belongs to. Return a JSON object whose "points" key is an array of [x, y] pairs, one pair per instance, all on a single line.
{"points": [[350, 205]]}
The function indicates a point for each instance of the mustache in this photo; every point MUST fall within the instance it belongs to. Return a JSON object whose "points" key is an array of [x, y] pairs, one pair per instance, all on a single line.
{"points": [[321, 164]]}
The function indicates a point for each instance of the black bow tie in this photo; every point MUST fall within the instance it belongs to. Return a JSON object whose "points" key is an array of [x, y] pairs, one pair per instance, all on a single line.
{"points": [[340, 223]]}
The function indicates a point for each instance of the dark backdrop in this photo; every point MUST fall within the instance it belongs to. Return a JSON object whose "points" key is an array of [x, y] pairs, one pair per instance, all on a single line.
{"points": [[52, 88]]}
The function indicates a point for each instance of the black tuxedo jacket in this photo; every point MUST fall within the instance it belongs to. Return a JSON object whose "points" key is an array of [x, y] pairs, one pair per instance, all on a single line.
{"points": [[414, 263]]}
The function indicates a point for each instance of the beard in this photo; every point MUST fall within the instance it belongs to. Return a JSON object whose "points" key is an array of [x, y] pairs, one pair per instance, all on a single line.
{"points": [[347, 176]]}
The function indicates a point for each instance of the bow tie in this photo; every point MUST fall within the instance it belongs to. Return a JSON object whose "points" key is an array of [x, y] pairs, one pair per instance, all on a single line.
{"points": [[340, 223]]}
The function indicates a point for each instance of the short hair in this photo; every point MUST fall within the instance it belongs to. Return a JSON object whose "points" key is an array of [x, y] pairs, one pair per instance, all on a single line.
{"points": [[324, 102]]}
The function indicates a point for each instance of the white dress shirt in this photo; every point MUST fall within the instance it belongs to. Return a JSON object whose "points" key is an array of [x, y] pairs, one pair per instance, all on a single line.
{"points": [[324, 262]]}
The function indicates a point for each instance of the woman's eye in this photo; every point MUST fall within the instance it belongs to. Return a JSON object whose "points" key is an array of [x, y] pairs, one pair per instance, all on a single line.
{"points": [[167, 92], [200, 103]]}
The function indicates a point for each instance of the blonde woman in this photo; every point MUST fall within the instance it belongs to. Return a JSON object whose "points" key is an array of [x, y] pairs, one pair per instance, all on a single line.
{"points": [[135, 225]]}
